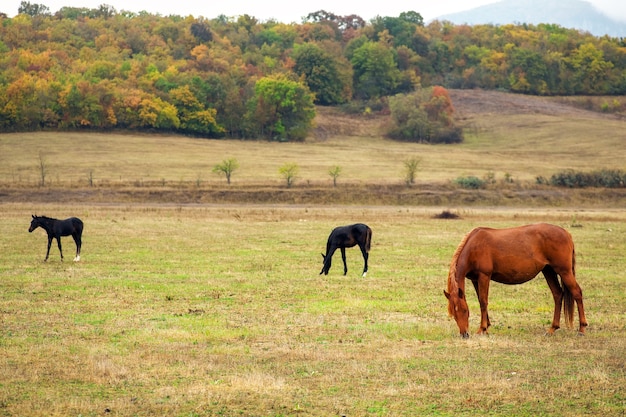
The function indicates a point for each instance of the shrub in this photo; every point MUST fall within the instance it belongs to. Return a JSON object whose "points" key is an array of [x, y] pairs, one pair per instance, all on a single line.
{"points": [[605, 178], [470, 182]]}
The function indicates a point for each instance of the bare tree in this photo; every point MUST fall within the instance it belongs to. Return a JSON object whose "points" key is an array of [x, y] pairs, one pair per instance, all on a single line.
{"points": [[43, 169]]}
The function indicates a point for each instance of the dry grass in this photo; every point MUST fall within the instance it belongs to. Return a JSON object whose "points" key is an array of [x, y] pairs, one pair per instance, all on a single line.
{"points": [[520, 136]]}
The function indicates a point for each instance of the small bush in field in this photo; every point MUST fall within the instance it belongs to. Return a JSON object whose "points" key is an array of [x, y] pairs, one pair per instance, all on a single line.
{"points": [[470, 182]]}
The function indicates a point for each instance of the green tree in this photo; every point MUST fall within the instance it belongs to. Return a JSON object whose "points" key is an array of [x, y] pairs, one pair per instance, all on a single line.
{"points": [[334, 174], [226, 168], [321, 73], [376, 73], [282, 109], [289, 172]]}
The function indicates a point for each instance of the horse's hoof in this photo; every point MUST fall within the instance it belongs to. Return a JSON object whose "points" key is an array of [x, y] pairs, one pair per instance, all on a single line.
{"points": [[364, 274], [77, 259]]}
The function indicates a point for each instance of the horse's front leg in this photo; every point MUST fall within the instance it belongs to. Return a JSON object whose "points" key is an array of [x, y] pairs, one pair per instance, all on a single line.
{"points": [[475, 283], [482, 290], [48, 251], [343, 256]]}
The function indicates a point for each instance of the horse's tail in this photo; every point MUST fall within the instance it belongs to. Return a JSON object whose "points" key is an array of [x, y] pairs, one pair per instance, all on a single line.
{"points": [[568, 299]]}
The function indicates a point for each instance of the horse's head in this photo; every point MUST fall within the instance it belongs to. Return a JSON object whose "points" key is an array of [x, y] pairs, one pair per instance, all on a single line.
{"points": [[34, 223], [326, 267], [457, 308]]}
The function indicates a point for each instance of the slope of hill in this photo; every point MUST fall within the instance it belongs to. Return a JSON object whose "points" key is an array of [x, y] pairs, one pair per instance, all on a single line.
{"points": [[574, 14]]}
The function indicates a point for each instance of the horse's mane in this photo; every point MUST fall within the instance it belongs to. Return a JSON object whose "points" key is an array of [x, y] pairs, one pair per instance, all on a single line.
{"points": [[452, 284]]}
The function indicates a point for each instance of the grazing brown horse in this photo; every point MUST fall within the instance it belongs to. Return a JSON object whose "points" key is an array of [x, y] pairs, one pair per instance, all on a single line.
{"points": [[514, 256], [346, 237], [57, 228]]}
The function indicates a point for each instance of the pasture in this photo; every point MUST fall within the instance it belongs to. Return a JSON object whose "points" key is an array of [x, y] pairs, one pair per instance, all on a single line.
{"points": [[218, 310], [181, 306]]}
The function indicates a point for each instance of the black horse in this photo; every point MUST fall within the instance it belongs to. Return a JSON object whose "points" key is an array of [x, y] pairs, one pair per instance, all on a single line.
{"points": [[57, 228], [346, 237]]}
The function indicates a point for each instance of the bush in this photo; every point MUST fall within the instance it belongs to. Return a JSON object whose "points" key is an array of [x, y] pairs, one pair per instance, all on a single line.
{"points": [[425, 115], [605, 178], [471, 182]]}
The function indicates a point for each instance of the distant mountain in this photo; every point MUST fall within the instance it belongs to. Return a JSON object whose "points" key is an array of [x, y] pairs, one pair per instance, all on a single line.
{"points": [[574, 14]]}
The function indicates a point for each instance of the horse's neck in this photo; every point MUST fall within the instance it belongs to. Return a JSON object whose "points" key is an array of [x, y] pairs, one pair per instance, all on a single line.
{"points": [[46, 223]]}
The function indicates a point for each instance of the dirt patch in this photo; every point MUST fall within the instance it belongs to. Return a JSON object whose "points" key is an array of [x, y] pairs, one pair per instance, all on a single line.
{"points": [[471, 102]]}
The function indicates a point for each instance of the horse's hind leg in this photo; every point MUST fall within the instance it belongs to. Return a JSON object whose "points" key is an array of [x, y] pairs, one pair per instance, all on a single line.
{"points": [[557, 293], [365, 257], [78, 241], [577, 294]]}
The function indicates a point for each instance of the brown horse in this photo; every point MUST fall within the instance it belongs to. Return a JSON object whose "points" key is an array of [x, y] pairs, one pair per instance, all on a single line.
{"points": [[514, 256]]}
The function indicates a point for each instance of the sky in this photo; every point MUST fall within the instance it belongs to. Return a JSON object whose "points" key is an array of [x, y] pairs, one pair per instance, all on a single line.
{"points": [[291, 10]]}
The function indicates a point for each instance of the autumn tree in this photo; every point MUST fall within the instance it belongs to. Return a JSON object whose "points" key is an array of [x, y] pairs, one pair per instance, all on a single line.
{"points": [[424, 116], [194, 118]]}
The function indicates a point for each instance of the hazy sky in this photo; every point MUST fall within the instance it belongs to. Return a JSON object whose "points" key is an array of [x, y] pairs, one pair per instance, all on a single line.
{"points": [[294, 10]]}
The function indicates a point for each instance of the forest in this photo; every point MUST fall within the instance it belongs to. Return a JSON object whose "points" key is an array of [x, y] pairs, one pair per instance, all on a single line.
{"points": [[238, 77]]}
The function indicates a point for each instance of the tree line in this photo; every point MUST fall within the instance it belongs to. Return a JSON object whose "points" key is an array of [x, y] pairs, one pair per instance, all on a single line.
{"points": [[239, 77]]}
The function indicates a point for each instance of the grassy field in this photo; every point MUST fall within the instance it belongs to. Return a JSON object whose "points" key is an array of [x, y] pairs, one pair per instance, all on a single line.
{"points": [[506, 134], [194, 298], [219, 310]]}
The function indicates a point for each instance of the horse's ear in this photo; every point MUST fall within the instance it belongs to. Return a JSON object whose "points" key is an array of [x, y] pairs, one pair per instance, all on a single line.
{"points": [[447, 294], [33, 215], [323, 256]]}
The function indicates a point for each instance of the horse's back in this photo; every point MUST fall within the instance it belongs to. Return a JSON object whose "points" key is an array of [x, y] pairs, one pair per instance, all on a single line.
{"points": [[72, 225], [519, 252]]}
